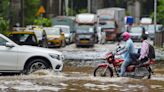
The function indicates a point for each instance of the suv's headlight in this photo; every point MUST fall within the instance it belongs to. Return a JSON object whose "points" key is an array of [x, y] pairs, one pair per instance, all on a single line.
{"points": [[55, 56]]}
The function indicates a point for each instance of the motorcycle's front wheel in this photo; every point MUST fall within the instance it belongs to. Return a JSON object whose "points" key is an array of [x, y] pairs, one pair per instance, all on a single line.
{"points": [[101, 71]]}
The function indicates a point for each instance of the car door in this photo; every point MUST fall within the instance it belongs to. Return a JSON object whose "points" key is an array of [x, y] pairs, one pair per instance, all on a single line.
{"points": [[8, 56]]}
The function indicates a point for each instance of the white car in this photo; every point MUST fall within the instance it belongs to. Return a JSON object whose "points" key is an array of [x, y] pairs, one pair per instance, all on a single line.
{"points": [[67, 32], [26, 59]]}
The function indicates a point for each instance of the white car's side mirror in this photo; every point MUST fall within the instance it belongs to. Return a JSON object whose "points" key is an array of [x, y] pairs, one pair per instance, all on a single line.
{"points": [[10, 45]]}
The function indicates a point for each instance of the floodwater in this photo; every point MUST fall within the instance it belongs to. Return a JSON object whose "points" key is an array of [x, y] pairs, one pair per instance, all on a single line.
{"points": [[80, 79], [77, 76]]}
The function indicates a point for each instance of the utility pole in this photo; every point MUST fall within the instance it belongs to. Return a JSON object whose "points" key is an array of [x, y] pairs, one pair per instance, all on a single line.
{"points": [[60, 4], [155, 14], [89, 6], [66, 7], [155, 18]]}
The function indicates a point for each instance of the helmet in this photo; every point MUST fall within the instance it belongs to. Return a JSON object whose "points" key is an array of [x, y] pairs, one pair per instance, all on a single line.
{"points": [[126, 36]]}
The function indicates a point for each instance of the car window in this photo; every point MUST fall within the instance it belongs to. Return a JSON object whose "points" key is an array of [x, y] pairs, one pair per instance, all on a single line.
{"points": [[151, 28], [136, 30], [111, 24], [22, 38], [65, 30], [85, 30], [2, 41], [52, 31]]}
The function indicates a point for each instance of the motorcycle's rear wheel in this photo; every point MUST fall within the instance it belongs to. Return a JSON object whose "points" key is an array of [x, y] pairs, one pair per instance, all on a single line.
{"points": [[101, 71]]}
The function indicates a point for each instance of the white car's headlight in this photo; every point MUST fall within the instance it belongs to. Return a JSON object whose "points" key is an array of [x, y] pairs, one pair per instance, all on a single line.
{"points": [[55, 56]]}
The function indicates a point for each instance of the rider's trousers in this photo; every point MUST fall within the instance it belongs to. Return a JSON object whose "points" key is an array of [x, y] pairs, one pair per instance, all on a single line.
{"points": [[126, 62]]}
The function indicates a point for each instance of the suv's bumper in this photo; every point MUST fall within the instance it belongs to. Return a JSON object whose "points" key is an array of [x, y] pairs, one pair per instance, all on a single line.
{"points": [[57, 65]]}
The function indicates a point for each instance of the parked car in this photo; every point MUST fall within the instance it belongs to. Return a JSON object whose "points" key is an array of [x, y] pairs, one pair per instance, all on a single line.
{"points": [[151, 30], [24, 38], [55, 37], [85, 36], [27, 59], [136, 32], [69, 35], [146, 21]]}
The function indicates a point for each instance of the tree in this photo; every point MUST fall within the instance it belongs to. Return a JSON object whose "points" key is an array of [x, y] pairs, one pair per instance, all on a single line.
{"points": [[30, 9], [42, 22], [4, 8], [4, 24], [160, 12]]}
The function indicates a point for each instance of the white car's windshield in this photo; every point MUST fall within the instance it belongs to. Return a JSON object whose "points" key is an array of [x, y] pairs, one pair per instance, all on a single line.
{"points": [[65, 30], [52, 31], [136, 30]]}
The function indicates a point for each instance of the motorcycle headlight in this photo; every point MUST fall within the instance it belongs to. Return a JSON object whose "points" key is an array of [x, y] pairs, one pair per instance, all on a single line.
{"points": [[55, 56]]}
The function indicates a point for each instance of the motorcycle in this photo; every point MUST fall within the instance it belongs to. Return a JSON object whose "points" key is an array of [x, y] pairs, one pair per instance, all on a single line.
{"points": [[134, 70]]}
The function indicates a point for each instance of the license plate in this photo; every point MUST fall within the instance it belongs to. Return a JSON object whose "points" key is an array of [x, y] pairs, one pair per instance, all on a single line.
{"points": [[84, 41]]}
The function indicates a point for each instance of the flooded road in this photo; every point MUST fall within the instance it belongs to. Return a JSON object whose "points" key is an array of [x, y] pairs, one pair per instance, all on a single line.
{"points": [[77, 76], [80, 79]]}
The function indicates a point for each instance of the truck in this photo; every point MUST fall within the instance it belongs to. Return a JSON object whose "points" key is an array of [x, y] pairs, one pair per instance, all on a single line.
{"points": [[111, 20], [64, 20], [87, 20]]}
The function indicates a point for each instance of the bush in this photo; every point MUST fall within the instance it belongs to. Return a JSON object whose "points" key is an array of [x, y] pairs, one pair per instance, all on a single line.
{"points": [[4, 25], [42, 22]]}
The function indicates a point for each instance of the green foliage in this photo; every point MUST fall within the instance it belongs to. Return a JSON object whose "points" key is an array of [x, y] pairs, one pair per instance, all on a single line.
{"points": [[4, 25], [30, 9], [4, 10], [83, 11], [160, 12], [71, 12], [42, 22]]}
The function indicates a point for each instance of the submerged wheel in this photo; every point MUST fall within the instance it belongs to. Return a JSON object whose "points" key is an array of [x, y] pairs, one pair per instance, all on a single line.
{"points": [[36, 64], [103, 72]]}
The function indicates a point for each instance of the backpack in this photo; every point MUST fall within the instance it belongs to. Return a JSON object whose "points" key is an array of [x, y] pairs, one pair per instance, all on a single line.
{"points": [[151, 53]]}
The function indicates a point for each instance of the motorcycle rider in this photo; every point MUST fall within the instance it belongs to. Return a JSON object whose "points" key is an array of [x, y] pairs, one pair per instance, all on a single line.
{"points": [[126, 51], [144, 49]]}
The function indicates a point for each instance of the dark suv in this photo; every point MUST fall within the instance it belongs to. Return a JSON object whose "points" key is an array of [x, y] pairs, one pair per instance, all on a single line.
{"points": [[85, 36]]}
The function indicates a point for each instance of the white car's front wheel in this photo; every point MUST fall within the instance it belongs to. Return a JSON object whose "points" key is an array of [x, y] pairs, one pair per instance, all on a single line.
{"points": [[36, 64]]}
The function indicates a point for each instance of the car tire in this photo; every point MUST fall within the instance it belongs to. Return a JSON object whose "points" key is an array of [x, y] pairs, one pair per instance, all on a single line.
{"points": [[36, 64]]}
